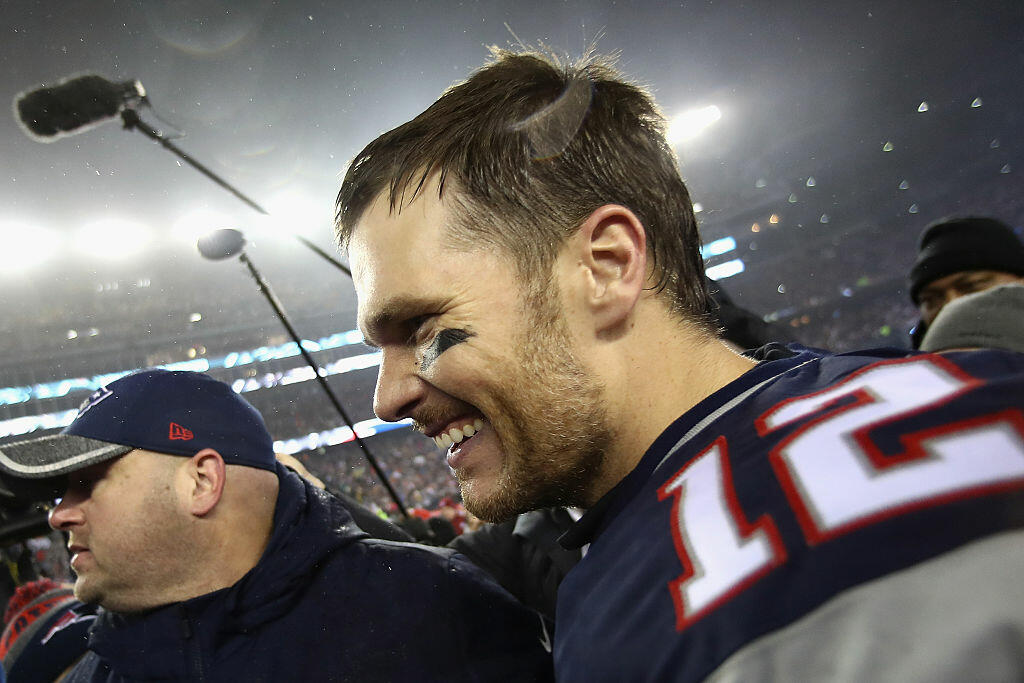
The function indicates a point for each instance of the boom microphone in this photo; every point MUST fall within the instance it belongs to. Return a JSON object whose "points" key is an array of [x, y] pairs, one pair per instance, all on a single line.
{"points": [[221, 244], [73, 104]]}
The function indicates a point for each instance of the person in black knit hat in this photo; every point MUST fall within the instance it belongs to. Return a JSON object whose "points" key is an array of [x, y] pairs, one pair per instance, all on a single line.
{"points": [[959, 256]]}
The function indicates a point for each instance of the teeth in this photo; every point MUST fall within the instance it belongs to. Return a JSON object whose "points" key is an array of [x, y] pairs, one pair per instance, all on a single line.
{"points": [[457, 434]]}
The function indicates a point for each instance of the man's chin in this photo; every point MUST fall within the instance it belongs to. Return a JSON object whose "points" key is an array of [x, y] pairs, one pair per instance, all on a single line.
{"points": [[86, 592], [498, 501], [490, 503]]}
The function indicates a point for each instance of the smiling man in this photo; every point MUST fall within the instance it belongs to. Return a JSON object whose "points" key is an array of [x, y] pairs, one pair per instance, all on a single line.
{"points": [[518, 396], [526, 258], [214, 562]]}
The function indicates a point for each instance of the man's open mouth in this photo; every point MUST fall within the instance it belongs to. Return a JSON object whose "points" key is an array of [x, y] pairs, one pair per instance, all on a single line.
{"points": [[457, 435]]}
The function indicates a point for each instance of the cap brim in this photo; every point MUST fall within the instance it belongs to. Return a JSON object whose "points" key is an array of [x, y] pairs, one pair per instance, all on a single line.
{"points": [[52, 456]]}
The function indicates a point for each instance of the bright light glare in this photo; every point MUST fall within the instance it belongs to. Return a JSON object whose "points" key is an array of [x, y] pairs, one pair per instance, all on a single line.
{"points": [[717, 247], [724, 270], [199, 223], [24, 246], [292, 213], [692, 123], [112, 239]]}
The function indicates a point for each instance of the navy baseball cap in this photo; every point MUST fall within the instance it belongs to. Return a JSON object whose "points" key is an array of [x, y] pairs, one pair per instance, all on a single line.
{"points": [[175, 412]]}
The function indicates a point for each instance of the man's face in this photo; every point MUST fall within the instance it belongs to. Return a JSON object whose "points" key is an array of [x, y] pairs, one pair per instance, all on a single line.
{"points": [[937, 294], [125, 533], [484, 365]]}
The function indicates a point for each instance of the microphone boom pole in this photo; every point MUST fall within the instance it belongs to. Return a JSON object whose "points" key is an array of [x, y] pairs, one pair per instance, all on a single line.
{"points": [[279, 310], [131, 120]]}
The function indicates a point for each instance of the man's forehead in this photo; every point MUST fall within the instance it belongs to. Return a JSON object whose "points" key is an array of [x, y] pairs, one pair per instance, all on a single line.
{"points": [[385, 239], [398, 257], [954, 279]]}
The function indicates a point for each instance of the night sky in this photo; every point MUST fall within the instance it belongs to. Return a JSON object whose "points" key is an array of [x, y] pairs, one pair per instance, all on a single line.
{"points": [[278, 96]]}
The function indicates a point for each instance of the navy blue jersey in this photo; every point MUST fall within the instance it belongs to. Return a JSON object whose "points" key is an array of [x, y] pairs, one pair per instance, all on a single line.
{"points": [[806, 479]]}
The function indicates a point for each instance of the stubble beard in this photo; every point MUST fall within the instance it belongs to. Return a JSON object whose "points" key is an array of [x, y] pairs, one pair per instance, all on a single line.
{"points": [[154, 556], [550, 421]]}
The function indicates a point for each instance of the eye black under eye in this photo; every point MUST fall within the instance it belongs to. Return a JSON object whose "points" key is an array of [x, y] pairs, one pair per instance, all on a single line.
{"points": [[416, 327], [444, 340]]}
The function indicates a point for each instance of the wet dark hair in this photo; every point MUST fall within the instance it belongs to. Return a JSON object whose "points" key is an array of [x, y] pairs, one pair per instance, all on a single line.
{"points": [[524, 151]]}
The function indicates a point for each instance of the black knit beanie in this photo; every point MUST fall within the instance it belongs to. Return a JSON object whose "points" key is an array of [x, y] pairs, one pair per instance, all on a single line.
{"points": [[959, 244]]}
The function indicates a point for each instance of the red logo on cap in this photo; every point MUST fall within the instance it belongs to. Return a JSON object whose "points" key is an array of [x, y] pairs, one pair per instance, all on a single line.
{"points": [[179, 433]]}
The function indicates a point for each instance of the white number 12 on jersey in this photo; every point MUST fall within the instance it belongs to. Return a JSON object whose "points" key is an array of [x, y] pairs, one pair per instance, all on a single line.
{"points": [[834, 476]]}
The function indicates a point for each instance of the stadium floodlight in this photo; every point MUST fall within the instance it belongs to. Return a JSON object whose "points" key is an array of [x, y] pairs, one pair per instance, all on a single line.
{"points": [[112, 239], [692, 123], [724, 270], [24, 246], [718, 247], [292, 213], [198, 222]]}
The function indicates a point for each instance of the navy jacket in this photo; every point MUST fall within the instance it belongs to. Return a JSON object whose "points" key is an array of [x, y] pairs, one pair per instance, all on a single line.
{"points": [[524, 556], [327, 603]]}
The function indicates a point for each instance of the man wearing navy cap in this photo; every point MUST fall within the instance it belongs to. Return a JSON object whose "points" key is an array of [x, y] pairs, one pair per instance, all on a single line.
{"points": [[214, 562]]}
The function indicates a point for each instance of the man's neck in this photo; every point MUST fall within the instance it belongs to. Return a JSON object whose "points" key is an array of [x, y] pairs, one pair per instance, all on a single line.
{"points": [[658, 376], [232, 549]]}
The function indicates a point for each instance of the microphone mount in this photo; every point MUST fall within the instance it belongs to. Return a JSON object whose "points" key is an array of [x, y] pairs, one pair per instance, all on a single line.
{"points": [[132, 121], [228, 242]]}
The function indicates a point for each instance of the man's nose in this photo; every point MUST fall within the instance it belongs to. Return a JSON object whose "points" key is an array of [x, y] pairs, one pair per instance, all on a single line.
{"points": [[399, 389], [67, 513], [947, 296]]}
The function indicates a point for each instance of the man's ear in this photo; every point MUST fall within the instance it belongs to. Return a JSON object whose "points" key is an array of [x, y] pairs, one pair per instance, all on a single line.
{"points": [[205, 481], [612, 250]]}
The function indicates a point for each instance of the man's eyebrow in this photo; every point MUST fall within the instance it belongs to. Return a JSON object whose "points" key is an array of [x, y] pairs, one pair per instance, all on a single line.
{"points": [[390, 314], [969, 278]]}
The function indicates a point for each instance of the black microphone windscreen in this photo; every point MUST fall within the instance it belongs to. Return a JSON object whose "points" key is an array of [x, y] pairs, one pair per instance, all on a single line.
{"points": [[221, 244], [70, 105]]}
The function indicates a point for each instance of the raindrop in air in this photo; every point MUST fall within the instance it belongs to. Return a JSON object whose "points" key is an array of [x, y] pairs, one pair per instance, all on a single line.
{"points": [[904, 185], [1005, 169], [792, 199], [782, 289], [824, 218], [811, 182], [994, 144], [913, 208], [761, 182], [887, 147], [976, 103], [922, 107]]}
